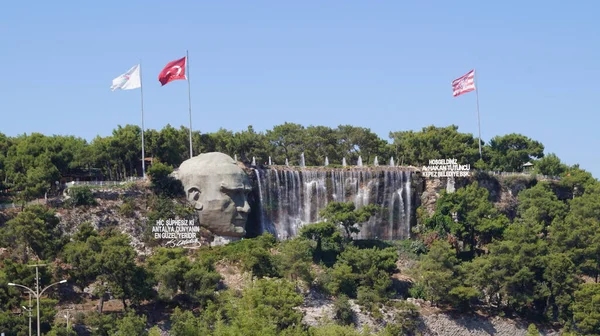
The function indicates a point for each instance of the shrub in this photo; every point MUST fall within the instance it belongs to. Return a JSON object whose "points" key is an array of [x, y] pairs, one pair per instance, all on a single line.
{"points": [[81, 196], [162, 183], [127, 209], [342, 310]]}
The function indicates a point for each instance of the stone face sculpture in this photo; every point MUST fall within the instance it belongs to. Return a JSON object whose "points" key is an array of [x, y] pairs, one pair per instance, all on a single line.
{"points": [[217, 188]]}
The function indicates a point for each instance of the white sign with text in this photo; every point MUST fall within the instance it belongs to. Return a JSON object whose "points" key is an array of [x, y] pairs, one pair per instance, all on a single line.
{"points": [[446, 168], [179, 232]]}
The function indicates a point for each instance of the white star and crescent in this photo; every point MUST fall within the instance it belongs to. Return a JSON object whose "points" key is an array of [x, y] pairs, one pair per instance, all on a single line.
{"points": [[175, 67]]}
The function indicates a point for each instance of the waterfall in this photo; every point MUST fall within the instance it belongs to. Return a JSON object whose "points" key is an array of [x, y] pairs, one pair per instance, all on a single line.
{"points": [[270, 163], [291, 198], [302, 160], [326, 161], [392, 162], [344, 162], [261, 214], [359, 163], [287, 163], [376, 162], [235, 157], [253, 161]]}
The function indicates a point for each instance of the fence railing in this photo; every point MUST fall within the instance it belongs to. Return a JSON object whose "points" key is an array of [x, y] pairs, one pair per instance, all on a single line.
{"points": [[102, 183], [545, 177]]}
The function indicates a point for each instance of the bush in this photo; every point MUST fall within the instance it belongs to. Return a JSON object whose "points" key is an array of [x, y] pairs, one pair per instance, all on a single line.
{"points": [[162, 183], [254, 254], [81, 196], [417, 291], [127, 209], [342, 310]]}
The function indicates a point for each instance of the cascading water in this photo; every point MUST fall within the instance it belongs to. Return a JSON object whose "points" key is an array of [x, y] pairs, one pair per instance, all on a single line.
{"points": [[302, 160], [253, 161], [376, 162], [291, 198], [392, 162], [263, 227], [359, 162], [287, 163], [235, 157], [344, 162], [326, 161], [270, 163]]}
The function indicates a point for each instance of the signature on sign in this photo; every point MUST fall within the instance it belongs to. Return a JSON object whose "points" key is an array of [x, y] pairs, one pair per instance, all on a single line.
{"points": [[177, 243]]}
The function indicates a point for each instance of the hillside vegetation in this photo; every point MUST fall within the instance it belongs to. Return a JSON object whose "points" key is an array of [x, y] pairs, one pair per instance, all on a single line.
{"points": [[541, 264]]}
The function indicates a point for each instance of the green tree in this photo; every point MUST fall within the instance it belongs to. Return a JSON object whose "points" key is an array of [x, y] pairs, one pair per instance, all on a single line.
{"points": [[442, 277], [579, 233], [202, 281], [354, 141], [169, 267], [36, 230], [417, 148], [532, 330], [123, 276], [541, 204], [248, 144], [511, 274], [577, 180], [162, 183], [323, 142], [347, 216], [586, 311], [550, 165], [469, 215], [509, 152], [132, 324], [294, 259], [82, 254], [327, 238], [288, 141]]}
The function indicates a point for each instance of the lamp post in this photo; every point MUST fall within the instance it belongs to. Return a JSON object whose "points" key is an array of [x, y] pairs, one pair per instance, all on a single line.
{"points": [[68, 310], [29, 310], [37, 293]]}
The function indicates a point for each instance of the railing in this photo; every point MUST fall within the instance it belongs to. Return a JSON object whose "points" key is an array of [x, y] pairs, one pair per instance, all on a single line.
{"points": [[544, 177], [102, 183]]}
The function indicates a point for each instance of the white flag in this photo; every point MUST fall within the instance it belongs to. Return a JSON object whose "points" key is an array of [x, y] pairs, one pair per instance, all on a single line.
{"points": [[128, 81]]}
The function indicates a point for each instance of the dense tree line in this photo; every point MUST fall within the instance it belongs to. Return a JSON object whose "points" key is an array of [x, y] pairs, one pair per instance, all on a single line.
{"points": [[34, 163]]}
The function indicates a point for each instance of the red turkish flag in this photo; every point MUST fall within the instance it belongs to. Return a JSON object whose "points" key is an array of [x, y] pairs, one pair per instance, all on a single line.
{"points": [[173, 71]]}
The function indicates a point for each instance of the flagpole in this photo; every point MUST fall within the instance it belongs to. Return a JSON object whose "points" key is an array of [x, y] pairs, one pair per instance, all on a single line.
{"points": [[142, 104], [478, 117], [187, 59]]}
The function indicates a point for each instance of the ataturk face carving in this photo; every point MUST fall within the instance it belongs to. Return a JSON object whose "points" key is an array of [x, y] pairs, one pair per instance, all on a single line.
{"points": [[217, 188]]}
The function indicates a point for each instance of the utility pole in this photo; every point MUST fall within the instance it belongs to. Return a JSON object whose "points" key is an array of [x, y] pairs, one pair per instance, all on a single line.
{"points": [[37, 293]]}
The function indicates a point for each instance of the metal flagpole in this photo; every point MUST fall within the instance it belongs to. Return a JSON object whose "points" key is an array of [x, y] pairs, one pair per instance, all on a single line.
{"points": [[478, 117], [187, 60], [142, 101]]}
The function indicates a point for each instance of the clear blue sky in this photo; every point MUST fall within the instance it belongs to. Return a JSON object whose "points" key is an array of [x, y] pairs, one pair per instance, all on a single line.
{"points": [[385, 65]]}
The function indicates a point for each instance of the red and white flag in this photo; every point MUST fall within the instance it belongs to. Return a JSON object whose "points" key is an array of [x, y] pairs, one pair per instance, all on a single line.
{"points": [[173, 71], [464, 84]]}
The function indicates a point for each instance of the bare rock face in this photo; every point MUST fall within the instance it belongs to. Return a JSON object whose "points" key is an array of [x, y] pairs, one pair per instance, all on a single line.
{"points": [[217, 188]]}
